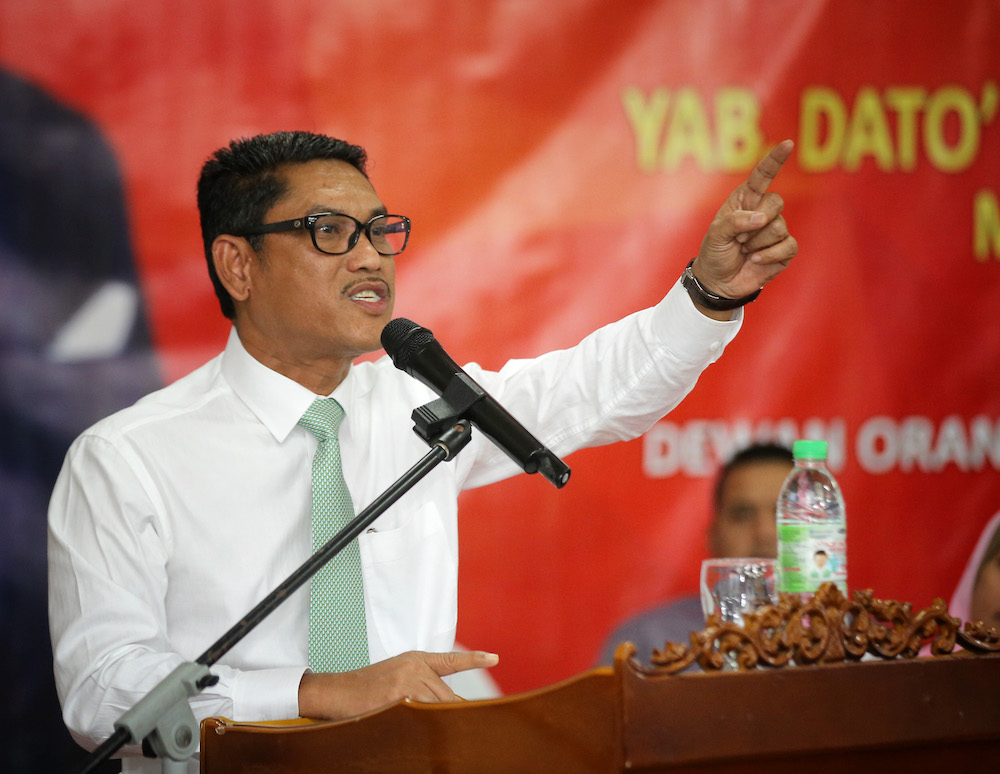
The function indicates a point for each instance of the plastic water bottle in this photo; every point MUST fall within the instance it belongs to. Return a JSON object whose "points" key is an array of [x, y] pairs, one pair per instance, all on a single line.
{"points": [[812, 525]]}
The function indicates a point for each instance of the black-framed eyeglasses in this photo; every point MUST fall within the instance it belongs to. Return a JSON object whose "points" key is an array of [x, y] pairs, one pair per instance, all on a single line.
{"points": [[335, 234]]}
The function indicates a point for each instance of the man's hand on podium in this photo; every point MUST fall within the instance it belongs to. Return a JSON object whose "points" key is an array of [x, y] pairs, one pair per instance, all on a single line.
{"points": [[413, 675]]}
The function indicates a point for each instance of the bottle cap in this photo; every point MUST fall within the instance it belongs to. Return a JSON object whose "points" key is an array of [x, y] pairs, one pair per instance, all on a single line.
{"points": [[809, 450]]}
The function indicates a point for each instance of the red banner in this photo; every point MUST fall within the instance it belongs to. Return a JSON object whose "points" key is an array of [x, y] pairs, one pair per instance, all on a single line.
{"points": [[560, 164]]}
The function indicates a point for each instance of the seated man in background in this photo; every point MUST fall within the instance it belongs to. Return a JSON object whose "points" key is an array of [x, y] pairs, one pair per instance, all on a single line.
{"points": [[743, 524]]}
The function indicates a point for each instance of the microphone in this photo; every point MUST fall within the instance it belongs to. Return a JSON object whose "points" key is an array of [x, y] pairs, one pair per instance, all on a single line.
{"points": [[414, 349]]}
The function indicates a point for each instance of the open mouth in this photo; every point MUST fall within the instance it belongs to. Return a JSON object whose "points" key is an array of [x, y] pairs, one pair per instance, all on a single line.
{"points": [[370, 294], [365, 295]]}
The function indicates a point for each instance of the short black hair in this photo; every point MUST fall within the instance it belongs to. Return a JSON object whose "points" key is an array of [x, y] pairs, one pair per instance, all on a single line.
{"points": [[756, 452], [240, 183]]}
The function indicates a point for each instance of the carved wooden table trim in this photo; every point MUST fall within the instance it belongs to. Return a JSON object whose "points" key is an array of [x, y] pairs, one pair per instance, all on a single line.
{"points": [[828, 628]]}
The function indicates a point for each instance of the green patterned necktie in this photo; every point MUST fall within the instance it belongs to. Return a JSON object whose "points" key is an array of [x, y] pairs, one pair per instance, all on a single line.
{"points": [[338, 640]]}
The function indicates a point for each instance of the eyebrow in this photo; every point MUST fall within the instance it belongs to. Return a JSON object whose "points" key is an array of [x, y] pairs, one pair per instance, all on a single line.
{"points": [[374, 213]]}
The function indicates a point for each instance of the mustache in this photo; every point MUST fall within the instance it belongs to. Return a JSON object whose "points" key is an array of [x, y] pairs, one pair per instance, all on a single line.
{"points": [[352, 287]]}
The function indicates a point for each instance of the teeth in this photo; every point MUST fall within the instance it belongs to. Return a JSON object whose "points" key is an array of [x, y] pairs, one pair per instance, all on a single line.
{"points": [[365, 295]]}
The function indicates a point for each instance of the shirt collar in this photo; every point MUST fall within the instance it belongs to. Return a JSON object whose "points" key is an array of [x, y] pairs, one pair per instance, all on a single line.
{"points": [[277, 401]]}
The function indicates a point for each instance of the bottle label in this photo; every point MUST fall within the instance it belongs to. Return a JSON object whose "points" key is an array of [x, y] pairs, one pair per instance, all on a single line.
{"points": [[810, 555]]}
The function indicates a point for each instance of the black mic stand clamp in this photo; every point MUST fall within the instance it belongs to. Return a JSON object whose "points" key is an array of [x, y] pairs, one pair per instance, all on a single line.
{"points": [[461, 394], [431, 420]]}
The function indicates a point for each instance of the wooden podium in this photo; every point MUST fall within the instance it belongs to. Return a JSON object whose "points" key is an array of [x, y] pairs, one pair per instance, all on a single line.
{"points": [[915, 714], [933, 714]]}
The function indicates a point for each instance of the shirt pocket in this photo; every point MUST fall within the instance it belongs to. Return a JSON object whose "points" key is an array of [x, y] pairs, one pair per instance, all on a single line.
{"points": [[411, 582]]}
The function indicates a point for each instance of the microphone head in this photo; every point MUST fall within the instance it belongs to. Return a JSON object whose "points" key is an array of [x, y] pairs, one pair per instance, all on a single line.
{"points": [[402, 339]]}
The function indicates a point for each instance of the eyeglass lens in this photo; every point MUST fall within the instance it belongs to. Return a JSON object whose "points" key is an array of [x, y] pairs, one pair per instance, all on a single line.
{"points": [[339, 233]]}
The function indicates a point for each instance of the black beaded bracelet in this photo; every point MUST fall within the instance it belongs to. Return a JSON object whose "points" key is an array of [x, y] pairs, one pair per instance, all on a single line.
{"points": [[707, 298]]}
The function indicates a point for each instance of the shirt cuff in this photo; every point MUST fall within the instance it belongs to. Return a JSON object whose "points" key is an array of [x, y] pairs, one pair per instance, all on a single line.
{"points": [[267, 694], [677, 312]]}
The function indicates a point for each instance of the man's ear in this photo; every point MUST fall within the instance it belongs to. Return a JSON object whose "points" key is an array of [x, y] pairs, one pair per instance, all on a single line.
{"points": [[233, 258]]}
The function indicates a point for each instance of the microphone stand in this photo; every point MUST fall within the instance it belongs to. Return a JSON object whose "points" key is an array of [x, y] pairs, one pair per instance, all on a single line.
{"points": [[162, 720]]}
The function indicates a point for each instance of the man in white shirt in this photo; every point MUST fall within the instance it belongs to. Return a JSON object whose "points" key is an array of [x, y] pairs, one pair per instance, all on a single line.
{"points": [[173, 517]]}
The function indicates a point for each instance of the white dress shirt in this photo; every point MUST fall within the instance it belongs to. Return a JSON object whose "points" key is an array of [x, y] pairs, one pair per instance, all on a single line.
{"points": [[172, 518]]}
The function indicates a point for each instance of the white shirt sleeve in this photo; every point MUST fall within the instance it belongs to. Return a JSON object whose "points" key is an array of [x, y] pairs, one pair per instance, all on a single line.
{"points": [[613, 386], [108, 554]]}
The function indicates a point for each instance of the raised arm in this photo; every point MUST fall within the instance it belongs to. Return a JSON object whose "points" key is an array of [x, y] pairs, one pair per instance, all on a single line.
{"points": [[747, 244]]}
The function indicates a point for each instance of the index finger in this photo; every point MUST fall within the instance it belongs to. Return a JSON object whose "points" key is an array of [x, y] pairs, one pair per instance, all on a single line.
{"points": [[460, 660], [769, 167]]}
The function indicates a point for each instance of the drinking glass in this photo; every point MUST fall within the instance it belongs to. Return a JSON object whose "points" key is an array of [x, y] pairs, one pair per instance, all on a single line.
{"points": [[736, 586]]}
